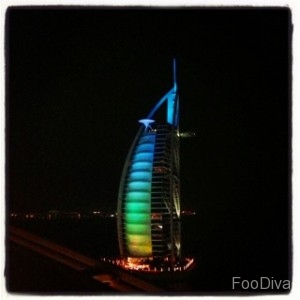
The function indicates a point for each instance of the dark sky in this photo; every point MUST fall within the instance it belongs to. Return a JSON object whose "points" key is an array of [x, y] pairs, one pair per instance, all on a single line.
{"points": [[78, 81]]}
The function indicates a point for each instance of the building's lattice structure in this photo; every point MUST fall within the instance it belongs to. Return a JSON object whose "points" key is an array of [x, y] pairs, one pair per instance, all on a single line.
{"points": [[149, 193]]}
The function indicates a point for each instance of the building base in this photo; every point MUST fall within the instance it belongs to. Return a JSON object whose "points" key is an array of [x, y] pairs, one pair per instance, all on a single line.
{"points": [[154, 268]]}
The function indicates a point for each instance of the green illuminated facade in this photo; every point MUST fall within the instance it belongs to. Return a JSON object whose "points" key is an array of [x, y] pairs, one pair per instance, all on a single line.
{"points": [[149, 193]]}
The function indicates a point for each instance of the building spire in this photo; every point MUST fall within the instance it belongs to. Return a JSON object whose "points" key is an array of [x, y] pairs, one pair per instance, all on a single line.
{"points": [[174, 74]]}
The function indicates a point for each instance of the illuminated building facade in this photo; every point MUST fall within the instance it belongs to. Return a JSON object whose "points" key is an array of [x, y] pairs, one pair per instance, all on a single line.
{"points": [[149, 193]]}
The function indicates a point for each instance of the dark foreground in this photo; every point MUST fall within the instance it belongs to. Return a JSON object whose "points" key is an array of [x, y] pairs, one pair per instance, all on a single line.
{"points": [[94, 276], [30, 272], [217, 260]]}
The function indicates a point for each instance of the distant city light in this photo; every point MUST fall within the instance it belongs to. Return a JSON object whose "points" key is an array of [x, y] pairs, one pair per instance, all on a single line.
{"points": [[52, 215]]}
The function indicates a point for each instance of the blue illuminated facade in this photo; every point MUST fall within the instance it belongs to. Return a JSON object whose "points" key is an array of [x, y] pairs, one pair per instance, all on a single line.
{"points": [[149, 193]]}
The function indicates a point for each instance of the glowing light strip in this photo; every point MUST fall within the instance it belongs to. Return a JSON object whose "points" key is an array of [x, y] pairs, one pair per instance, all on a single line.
{"points": [[137, 198]]}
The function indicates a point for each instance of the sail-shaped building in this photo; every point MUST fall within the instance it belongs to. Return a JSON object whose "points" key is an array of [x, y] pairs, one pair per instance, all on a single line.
{"points": [[148, 214]]}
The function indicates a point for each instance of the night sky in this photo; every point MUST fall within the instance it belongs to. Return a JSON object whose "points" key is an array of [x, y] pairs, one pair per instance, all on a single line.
{"points": [[79, 80]]}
